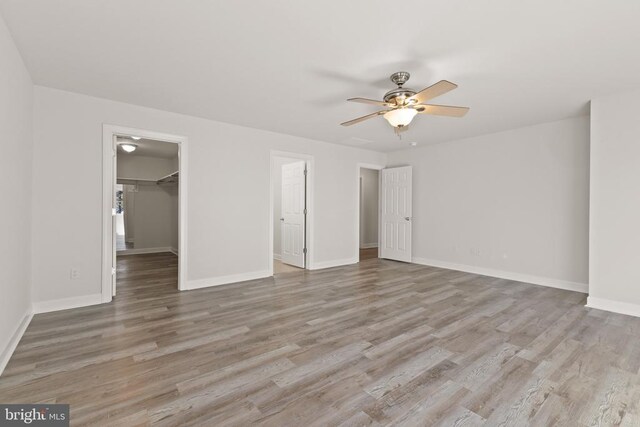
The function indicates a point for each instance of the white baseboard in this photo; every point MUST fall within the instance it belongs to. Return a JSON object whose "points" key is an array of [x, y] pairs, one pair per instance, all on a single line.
{"points": [[225, 280], [66, 303], [368, 245], [277, 256], [333, 263], [15, 339], [174, 251], [144, 251], [614, 306], [526, 278]]}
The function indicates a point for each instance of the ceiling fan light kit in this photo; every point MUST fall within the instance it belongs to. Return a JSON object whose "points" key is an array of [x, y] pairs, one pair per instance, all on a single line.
{"points": [[404, 103], [400, 117]]}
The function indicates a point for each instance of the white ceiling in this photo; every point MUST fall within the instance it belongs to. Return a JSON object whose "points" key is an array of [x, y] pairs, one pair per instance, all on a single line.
{"points": [[289, 65], [149, 148]]}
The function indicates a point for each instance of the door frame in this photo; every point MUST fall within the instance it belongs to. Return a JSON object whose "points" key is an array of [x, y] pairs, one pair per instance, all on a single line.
{"points": [[109, 134], [309, 161], [358, 167]]}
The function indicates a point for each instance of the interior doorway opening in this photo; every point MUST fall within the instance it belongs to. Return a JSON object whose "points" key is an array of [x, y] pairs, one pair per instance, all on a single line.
{"points": [[369, 212], [144, 202], [290, 212]]}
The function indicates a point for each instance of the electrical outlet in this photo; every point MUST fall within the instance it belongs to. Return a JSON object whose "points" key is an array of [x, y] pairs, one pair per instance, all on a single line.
{"points": [[75, 273]]}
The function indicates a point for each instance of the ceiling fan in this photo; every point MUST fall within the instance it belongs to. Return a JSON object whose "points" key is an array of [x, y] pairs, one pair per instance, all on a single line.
{"points": [[403, 103]]}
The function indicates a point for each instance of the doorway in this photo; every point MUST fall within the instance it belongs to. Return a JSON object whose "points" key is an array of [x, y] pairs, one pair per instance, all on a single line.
{"points": [[291, 231], [144, 202], [369, 213]]}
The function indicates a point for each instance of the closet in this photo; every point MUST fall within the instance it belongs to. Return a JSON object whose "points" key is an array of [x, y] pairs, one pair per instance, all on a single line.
{"points": [[147, 198]]}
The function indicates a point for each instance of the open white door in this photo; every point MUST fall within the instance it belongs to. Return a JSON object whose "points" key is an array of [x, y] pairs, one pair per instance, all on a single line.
{"points": [[293, 213], [395, 193]]}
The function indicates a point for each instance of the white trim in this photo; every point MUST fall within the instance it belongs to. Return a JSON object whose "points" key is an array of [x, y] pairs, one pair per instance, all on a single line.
{"points": [[140, 251], [358, 167], [369, 245], [15, 339], [614, 306], [174, 251], [519, 277], [225, 280], [277, 256], [108, 133], [66, 303], [334, 263], [309, 160]]}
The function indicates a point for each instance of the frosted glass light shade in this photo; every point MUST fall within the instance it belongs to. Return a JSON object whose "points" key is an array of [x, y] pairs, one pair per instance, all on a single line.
{"points": [[400, 117]]}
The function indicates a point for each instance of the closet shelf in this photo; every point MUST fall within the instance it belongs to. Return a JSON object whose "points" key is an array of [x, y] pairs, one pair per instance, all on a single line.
{"points": [[133, 180], [172, 177]]}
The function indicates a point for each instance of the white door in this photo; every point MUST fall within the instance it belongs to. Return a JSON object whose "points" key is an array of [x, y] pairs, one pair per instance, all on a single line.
{"points": [[293, 213], [395, 201]]}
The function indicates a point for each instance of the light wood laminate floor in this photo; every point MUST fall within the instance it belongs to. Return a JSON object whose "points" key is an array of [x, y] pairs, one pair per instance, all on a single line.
{"points": [[368, 253], [376, 343], [121, 244], [280, 267]]}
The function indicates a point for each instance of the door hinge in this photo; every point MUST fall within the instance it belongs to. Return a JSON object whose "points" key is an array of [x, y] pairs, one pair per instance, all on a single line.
{"points": [[305, 172], [113, 271], [304, 251], [304, 211]]}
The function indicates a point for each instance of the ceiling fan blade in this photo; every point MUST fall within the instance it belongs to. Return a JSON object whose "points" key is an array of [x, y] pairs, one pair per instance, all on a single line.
{"points": [[368, 101], [440, 88], [363, 118], [442, 110]]}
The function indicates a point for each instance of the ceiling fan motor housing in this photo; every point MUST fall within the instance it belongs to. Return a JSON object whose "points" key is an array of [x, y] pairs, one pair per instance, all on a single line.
{"points": [[396, 94], [400, 93]]}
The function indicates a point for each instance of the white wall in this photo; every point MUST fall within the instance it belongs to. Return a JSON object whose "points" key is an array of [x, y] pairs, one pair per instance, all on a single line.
{"points": [[614, 282], [514, 202], [278, 162], [130, 208], [155, 225], [228, 213], [368, 208], [16, 143], [175, 215], [152, 211], [144, 167]]}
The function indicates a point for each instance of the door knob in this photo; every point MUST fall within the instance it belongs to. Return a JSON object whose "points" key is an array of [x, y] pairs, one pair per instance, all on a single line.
{"points": [[407, 218], [281, 219]]}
